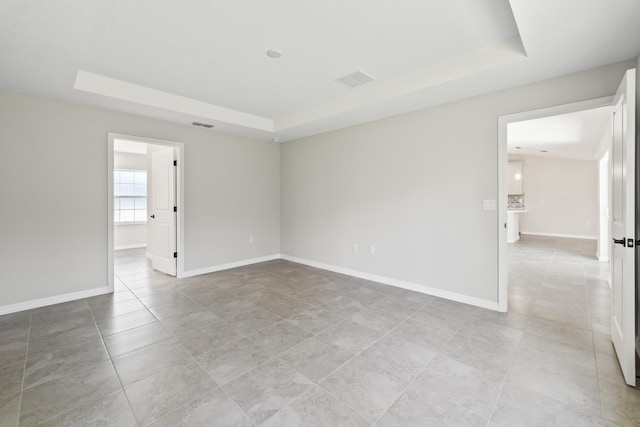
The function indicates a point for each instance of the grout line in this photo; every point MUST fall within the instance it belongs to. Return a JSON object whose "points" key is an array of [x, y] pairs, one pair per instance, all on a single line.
{"points": [[113, 366], [24, 368]]}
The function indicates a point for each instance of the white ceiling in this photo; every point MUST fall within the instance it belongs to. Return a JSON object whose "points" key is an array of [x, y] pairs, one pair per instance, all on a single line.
{"points": [[574, 135], [205, 61]]}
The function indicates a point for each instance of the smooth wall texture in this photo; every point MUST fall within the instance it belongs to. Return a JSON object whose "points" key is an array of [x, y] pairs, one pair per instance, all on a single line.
{"points": [[561, 196], [413, 186], [54, 195]]}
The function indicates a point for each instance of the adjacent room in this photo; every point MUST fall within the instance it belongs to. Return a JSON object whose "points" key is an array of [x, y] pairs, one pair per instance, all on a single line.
{"points": [[326, 213]]}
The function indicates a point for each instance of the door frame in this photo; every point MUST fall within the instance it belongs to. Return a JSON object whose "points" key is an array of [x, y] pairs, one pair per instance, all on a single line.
{"points": [[179, 150], [503, 122]]}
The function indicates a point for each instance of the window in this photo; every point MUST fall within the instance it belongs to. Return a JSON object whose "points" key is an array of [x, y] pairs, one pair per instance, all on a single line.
{"points": [[130, 196]]}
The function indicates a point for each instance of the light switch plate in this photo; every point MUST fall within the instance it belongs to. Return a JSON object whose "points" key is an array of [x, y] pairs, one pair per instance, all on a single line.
{"points": [[489, 205]]}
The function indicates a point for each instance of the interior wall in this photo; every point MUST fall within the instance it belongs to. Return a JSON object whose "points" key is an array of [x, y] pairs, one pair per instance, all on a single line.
{"points": [[231, 191], [414, 186], [129, 235], [561, 197]]}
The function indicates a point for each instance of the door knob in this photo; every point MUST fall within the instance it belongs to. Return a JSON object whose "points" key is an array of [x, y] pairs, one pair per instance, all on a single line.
{"points": [[622, 242], [153, 216]]}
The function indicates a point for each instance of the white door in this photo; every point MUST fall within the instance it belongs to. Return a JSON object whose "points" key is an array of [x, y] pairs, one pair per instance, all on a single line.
{"points": [[623, 228], [163, 215]]}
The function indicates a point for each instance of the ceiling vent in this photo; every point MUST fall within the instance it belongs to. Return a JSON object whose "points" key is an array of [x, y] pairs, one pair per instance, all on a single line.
{"points": [[204, 125], [356, 79]]}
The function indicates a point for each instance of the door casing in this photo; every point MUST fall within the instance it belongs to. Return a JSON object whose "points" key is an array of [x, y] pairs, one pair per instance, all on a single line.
{"points": [[179, 152], [503, 122]]}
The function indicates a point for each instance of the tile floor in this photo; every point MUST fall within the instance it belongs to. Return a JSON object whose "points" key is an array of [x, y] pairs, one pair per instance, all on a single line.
{"points": [[281, 344]]}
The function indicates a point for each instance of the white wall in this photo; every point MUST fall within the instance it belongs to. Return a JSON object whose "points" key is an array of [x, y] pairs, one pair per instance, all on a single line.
{"points": [[413, 186], [561, 197], [129, 235], [54, 195]]}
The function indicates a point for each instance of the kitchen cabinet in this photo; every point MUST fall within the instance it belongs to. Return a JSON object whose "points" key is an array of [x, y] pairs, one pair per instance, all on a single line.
{"points": [[513, 225]]}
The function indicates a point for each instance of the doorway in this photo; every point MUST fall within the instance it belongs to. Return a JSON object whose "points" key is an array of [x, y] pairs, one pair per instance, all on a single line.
{"points": [[148, 212], [503, 179], [621, 207]]}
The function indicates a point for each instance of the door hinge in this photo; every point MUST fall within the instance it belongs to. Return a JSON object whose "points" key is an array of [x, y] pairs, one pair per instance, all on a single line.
{"points": [[175, 209], [175, 163], [175, 254]]}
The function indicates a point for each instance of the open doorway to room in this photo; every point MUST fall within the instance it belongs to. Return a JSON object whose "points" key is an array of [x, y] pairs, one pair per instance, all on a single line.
{"points": [[561, 277], [557, 217], [550, 164], [145, 208]]}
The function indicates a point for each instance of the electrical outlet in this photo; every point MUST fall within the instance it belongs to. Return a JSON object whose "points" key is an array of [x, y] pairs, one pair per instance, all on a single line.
{"points": [[355, 247], [251, 240], [372, 250]]}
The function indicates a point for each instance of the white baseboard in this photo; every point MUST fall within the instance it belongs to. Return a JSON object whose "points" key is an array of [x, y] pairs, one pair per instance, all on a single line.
{"points": [[41, 302], [213, 269], [568, 236], [603, 259], [478, 302], [136, 246]]}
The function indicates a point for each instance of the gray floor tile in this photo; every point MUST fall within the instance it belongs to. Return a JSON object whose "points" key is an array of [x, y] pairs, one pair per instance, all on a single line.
{"points": [[177, 308], [482, 354], [399, 356], [149, 360], [232, 308], [232, 360], [316, 319], [425, 335], [560, 332], [9, 410], [13, 345], [316, 408], [364, 387], [44, 401], [75, 360], [212, 409], [168, 297], [61, 340], [110, 410], [116, 309], [403, 306], [207, 338], [284, 306], [111, 298], [168, 390], [462, 384], [197, 319], [20, 320], [268, 388], [379, 320], [351, 336], [279, 337], [114, 325], [620, 403], [46, 326], [439, 318], [343, 306], [568, 386], [126, 342], [316, 358], [366, 297], [520, 407], [252, 321], [11, 379], [56, 312], [426, 408]]}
